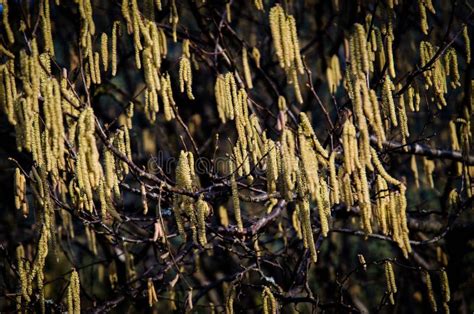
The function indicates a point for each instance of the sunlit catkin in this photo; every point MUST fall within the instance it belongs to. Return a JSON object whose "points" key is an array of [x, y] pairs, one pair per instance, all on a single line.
{"points": [[113, 60], [414, 169], [22, 266], [6, 23], [335, 198], [285, 39], [272, 166], [167, 97], [348, 140], [390, 279], [152, 298], [20, 192], [467, 44], [246, 67], [269, 303], [333, 74], [73, 294], [445, 291], [202, 212], [185, 77], [429, 167], [403, 119], [305, 218], [388, 102], [423, 18], [104, 51], [235, 196], [429, 291], [256, 56], [381, 170]]}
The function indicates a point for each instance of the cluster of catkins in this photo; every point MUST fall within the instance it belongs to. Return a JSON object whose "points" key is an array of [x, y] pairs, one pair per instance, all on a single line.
{"points": [[58, 127]]}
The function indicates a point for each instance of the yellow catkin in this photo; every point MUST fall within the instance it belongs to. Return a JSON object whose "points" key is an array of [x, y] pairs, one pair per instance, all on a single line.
{"points": [[184, 204], [256, 56], [6, 52], [365, 201], [305, 218], [152, 298], [324, 208], [272, 166], [423, 18], [113, 60], [285, 38], [445, 292], [362, 51], [22, 266], [348, 137], [6, 23], [20, 192], [167, 97], [259, 4], [223, 216], [276, 31], [414, 169], [235, 196], [334, 181], [452, 68], [429, 167], [202, 212], [378, 165], [185, 77], [245, 64], [296, 46], [403, 119], [309, 132], [104, 50], [390, 279], [429, 291], [333, 73], [377, 123], [73, 294], [96, 78], [467, 43], [229, 300], [296, 86], [387, 98], [269, 303], [309, 162], [410, 96], [174, 19], [158, 5]]}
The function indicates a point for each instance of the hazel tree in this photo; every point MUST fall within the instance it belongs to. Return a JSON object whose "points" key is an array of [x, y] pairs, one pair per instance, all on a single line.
{"points": [[230, 156]]}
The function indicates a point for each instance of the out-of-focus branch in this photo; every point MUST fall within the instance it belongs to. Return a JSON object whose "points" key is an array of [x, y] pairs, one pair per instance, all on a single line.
{"points": [[424, 150]]}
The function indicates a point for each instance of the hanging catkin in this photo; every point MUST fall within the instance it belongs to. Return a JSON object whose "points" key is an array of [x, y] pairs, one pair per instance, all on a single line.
{"points": [[467, 43], [73, 294], [113, 61], [152, 297], [246, 67], [285, 39], [445, 291], [429, 291], [423, 18], [21, 202], [390, 279], [185, 71], [6, 23], [235, 196], [270, 305]]}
